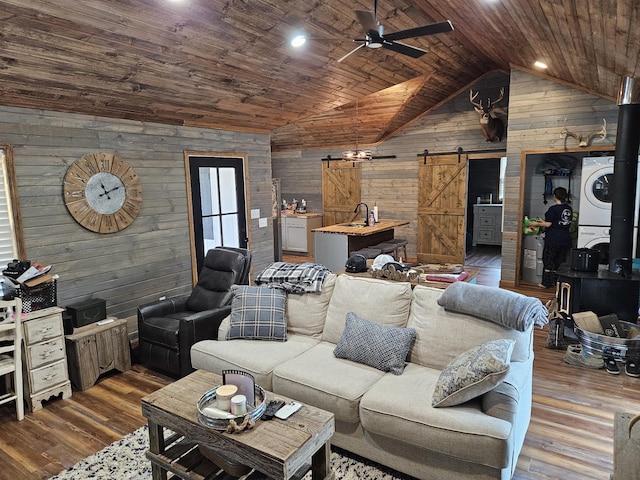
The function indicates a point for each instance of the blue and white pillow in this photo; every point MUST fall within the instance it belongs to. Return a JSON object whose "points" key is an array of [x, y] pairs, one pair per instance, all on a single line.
{"points": [[258, 313], [379, 346]]}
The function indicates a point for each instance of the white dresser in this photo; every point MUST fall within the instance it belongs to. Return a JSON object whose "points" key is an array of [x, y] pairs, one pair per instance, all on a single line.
{"points": [[487, 224], [45, 358]]}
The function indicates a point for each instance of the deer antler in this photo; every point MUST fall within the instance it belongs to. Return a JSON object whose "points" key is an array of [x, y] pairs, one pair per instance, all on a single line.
{"points": [[602, 132], [498, 100], [566, 133], [582, 141], [472, 97]]}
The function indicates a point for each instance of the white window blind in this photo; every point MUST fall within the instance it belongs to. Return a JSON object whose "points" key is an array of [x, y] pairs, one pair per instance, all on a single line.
{"points": [[8, 250]]}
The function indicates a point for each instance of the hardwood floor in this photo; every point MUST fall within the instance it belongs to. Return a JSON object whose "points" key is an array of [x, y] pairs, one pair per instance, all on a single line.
{"points": [[569, 438], [66, 431], [486, 258]]}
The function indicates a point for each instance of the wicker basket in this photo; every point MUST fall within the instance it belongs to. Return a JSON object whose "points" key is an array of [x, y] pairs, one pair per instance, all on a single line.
{"points": [[209, 399], [613, 347]]}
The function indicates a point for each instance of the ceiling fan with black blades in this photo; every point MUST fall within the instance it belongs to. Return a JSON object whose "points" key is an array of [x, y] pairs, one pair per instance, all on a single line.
{"points": [[376, 38]]}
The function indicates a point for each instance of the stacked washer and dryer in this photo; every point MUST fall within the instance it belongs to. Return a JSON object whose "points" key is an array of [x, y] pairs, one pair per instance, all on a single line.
{"points": [[594, 219]]}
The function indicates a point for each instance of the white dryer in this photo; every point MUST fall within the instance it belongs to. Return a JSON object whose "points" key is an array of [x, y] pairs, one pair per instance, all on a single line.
{"points": [[595, 193]]}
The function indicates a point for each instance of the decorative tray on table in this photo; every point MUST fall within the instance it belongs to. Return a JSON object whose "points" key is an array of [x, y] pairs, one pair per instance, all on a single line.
{"points": [[210, 416]]}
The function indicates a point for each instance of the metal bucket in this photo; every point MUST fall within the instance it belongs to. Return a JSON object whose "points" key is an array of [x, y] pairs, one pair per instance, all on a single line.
{"points": [[614, 347]]}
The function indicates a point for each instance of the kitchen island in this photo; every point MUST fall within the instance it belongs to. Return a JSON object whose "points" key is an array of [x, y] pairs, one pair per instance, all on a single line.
{"points": [[333, 243]]}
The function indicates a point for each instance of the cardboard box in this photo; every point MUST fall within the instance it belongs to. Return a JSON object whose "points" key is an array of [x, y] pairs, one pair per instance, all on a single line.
{"points": [[588, 321], [611, 326]]}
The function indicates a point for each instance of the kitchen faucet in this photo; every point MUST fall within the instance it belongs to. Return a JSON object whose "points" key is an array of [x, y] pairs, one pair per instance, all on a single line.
{"points": [[366, 216]]}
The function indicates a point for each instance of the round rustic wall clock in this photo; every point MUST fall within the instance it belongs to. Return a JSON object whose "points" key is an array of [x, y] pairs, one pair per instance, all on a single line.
{"points": [[102, 192]]}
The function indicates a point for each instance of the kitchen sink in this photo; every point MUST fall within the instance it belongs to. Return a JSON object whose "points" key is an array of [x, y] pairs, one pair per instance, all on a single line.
{"points": [[354, 225]]}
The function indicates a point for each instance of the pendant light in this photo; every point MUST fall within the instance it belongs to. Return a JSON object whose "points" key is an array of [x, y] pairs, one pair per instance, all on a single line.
{"points": [[357, 155]]}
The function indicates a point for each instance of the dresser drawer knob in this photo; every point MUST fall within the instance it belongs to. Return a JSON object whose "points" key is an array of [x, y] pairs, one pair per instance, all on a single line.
{"points": [[47, 353], [46, 329], [50, 376]]}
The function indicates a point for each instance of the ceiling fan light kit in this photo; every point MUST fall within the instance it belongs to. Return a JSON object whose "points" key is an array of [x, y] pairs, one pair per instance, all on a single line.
{"points": [[375, 37]]}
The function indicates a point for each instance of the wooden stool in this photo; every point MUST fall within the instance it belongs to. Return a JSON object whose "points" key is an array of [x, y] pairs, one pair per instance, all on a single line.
{"points": [[370, 252], [400, 243], [388, 248]]}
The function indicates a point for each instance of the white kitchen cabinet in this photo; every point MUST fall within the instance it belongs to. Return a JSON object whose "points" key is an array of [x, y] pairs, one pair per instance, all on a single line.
{"points": [[296, 232], [487, 224]]}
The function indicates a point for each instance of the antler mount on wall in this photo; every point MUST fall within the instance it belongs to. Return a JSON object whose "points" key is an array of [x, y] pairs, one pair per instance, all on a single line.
{"points": [[585, 140]]}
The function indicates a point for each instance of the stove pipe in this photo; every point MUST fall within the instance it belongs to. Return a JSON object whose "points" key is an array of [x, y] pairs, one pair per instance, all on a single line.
{"points": [[625, 169]]}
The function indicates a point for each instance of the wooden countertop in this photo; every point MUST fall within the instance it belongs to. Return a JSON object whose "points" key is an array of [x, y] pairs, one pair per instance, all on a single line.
{"points": [[343, 229], [473, 273], [302, 215]]}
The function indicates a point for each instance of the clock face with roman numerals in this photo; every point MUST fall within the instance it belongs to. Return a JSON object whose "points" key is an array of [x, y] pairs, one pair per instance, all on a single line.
{"points": [[102, 192]]}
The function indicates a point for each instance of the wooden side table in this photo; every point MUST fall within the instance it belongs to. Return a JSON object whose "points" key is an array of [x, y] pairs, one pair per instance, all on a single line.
{"points": [[96, 349]]}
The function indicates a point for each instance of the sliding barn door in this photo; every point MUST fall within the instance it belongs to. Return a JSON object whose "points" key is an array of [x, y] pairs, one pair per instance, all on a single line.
{"points": [[442, 188], [340, 191]]}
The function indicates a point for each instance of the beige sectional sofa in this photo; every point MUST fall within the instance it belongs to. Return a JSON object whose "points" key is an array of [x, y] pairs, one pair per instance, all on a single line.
{"points": [[385, 417]]}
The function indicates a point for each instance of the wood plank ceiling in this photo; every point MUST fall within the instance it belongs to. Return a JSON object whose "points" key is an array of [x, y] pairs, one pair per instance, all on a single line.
{"points": [[227, 63]]}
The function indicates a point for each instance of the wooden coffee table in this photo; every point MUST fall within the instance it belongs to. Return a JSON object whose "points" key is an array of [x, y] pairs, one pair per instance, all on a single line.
{"points": [[279, 449]]}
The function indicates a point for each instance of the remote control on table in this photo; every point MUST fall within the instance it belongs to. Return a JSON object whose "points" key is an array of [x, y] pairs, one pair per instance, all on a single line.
{"points": [[288, 410], [272, 407]]}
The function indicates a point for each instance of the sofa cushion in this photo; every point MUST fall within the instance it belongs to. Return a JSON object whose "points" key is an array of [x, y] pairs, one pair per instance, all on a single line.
{"points": [[473, 373], [399, 407], [257, 358], [380, 301], [258, 313], [318, 378], [435, 327], [379, 346], [306, 313]]}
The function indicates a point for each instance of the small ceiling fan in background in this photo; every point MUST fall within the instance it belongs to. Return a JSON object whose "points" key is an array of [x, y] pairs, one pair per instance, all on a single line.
{"points": [[376, 38]]}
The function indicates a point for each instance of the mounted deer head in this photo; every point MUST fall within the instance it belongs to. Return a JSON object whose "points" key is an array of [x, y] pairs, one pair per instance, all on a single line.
{"points": [[492, 126], [582, 140]]}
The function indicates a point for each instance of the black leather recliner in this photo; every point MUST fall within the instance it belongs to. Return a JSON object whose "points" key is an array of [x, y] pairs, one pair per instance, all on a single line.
{"points": [[168, 328]]}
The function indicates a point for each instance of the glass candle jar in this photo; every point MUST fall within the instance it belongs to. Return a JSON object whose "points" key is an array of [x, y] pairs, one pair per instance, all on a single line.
{"points": [[224, 393], [239, 405]]}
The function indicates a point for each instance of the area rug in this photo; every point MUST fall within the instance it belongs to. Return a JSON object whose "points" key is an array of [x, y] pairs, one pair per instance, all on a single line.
{"points": [[125, 460]]}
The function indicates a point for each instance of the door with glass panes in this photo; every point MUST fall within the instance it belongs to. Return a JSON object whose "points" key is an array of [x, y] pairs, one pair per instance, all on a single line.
{"points": [[218, 204]]}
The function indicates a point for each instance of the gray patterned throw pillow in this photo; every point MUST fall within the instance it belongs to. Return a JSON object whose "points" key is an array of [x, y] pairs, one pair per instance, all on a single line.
{"points": [[258, 313], [473, 373], [379, 346]]}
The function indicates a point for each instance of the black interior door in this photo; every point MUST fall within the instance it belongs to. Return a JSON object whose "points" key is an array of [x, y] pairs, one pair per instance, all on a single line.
{"points": [[218, 203]]}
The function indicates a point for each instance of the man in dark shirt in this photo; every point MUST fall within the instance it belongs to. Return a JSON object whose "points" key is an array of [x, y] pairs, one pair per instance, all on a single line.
{"points": [[557, 237]]}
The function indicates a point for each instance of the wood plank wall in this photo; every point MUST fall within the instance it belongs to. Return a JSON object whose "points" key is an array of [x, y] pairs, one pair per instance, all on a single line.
{"points": [[150, 258], [393, 183], [536, 111], [301, 177]]}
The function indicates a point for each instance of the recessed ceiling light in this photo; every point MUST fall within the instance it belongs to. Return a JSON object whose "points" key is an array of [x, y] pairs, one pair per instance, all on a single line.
{"points": [[298, 40], [540, 64]]}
